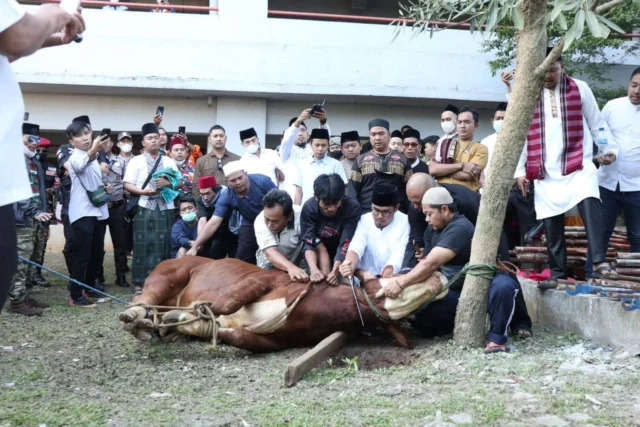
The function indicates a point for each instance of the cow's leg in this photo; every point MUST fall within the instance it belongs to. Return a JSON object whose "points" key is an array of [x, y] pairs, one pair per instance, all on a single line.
{"points": [[232, 298], [247, 340], [399, 335]]}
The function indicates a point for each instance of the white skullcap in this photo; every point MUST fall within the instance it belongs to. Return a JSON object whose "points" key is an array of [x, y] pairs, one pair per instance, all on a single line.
{"points": [[437, 196], [232, 167]]}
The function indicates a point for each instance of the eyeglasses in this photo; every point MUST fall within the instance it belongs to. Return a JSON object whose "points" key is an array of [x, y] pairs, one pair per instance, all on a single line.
{"points": [[410, 144], [34, 139], [384, 214], [219, 164]]}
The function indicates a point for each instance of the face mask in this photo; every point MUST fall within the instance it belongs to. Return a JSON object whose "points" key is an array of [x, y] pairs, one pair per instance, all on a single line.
{"points": [[126, 148], [336, 154], [188, 217], [253, 148], [448, 127], [180, 162], [497, 125]]}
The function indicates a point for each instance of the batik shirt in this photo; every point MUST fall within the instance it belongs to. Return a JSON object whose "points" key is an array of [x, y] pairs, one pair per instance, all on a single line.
{"points": [[187, 170]]}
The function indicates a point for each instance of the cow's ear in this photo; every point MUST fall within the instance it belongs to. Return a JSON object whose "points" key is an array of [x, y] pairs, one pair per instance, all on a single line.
{"points": [[400, 336]]}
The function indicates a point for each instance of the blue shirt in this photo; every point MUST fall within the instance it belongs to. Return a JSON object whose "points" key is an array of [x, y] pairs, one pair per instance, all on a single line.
{"points": [[250, 205], [181, 234]]}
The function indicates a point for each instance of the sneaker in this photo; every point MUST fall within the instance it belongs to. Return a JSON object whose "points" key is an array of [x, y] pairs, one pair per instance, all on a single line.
{"points": [[82, 302], [23, 308], [35, 303], [94, 296]]}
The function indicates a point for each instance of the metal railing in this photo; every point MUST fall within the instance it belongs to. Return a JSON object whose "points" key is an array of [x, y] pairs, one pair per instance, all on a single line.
{"points": [[131, 5]]}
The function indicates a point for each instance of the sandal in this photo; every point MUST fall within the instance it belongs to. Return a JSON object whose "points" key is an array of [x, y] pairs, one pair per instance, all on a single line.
{"points": [[496, 348], [605, 271]]}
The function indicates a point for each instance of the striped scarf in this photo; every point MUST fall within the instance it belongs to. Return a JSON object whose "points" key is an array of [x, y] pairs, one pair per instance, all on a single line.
{"points": [[572, 132]]}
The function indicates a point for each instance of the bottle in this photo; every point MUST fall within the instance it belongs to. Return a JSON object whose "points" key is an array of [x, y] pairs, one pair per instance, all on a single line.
{"points": [[602, 142]]}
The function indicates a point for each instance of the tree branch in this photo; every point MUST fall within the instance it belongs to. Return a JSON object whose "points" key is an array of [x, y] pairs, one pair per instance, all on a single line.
{"points": [[595, 4], [551, 58], [601, 10]]}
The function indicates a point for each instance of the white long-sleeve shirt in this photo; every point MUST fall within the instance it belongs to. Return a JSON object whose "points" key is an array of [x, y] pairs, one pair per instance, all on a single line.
{"points": [[623, 119], [266, 164], [556, 194], [378, 248], [291, 155], [85, 176]]}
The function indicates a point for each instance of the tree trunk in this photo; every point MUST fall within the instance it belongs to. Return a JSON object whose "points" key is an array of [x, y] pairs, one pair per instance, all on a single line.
{"points": [[530, 53]]}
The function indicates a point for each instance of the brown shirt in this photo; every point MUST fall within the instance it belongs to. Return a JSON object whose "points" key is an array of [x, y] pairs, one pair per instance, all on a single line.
{"points": [[208, 165], [476, 153]]}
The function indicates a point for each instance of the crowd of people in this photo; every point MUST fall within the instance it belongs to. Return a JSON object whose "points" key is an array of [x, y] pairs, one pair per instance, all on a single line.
{"points": [[327, 209]]}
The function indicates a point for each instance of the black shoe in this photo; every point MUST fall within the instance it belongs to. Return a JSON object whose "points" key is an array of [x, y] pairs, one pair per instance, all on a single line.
{"points": [[82, 302], [99, 284], [121, 280], [37, 279]]}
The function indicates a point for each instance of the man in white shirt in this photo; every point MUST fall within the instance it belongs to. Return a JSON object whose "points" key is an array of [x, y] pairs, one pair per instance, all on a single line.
{"points": [[294, 147], [490, 141], [280, 243], [258, 160], [378, 244], [309, 169], [88, 221], [620, 181], [560, 163], [155, 216], [21, 34]]}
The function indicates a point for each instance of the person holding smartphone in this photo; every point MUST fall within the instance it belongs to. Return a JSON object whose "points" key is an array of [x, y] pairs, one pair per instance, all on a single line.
{"points": [[21, 34]]}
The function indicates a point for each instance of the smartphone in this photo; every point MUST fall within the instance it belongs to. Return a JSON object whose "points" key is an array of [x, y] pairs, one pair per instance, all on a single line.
{"points": [[182, 130], [316, 108], [26, 116], [105, 131], [416, 247], [160, 111]]}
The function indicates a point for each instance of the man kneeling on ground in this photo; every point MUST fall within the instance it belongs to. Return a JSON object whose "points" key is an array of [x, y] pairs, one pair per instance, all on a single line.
{"points": [[185, 230], [278, 235], [448, 248]]}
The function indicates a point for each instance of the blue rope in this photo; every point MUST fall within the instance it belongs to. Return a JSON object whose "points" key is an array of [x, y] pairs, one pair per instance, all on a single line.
{"points": [[28, 261]]}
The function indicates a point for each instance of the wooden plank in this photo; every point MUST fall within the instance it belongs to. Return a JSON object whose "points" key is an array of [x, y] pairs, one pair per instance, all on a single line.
{"points": [[312, 358]]}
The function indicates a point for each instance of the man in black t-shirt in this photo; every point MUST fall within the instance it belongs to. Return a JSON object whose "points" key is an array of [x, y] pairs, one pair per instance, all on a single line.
{"points": [[447, 247], [224, 242], [328, 223]]}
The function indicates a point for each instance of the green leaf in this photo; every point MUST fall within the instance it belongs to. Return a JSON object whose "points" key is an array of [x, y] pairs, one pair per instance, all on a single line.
{"points": [[517, 18], [569, 37], [557, 9], [562, 21], [594, 25], [579, 23], [605, 31], [611, 24], [493, 16]]}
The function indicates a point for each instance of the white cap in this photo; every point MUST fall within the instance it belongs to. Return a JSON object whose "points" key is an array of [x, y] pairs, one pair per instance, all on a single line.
{"points": [[437, 196], [232, 167]]}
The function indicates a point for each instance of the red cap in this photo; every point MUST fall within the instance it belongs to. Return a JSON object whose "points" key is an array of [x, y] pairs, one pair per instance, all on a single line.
{"points": [[175, 141], [44, 143], [207, 182]]}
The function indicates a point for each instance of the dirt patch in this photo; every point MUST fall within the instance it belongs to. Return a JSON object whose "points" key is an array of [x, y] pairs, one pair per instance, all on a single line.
{"points": [[370, 359]]}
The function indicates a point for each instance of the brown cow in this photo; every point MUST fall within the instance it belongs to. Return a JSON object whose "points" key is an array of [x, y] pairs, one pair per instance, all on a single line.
{"points": [[264, 310]]}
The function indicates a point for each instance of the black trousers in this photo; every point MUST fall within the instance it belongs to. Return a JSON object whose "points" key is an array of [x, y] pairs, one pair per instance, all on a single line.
{"points": [[8, 251], [247, 244], [118, 230], [591, 215], [87, 250], [523, 209], [223, 244]]}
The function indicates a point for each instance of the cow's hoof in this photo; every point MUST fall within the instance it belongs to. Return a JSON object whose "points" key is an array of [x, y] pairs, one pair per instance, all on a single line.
{"points": [[170, 336], [133, 313], [143, 335], [172, 316]]}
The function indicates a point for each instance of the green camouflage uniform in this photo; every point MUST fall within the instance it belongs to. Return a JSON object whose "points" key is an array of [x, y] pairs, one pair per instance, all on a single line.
{"points": [[40, 238], [25, 249]]}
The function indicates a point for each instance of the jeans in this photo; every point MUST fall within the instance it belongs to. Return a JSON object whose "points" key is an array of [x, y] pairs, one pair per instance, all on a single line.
{"points": [[612, 203]]}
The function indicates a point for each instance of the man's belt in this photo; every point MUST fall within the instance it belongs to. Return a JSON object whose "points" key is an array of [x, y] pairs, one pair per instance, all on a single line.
{"points": [[115, 204]]}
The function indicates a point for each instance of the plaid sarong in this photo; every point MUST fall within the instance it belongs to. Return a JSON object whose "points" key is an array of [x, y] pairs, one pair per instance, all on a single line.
{"points": [[446, 150], [572, 132], [151, 240]]}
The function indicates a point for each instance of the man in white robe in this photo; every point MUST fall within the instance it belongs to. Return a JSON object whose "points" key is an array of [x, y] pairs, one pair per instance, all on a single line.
{"points": [[258, 160], [558, 157], [376, 245]]}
